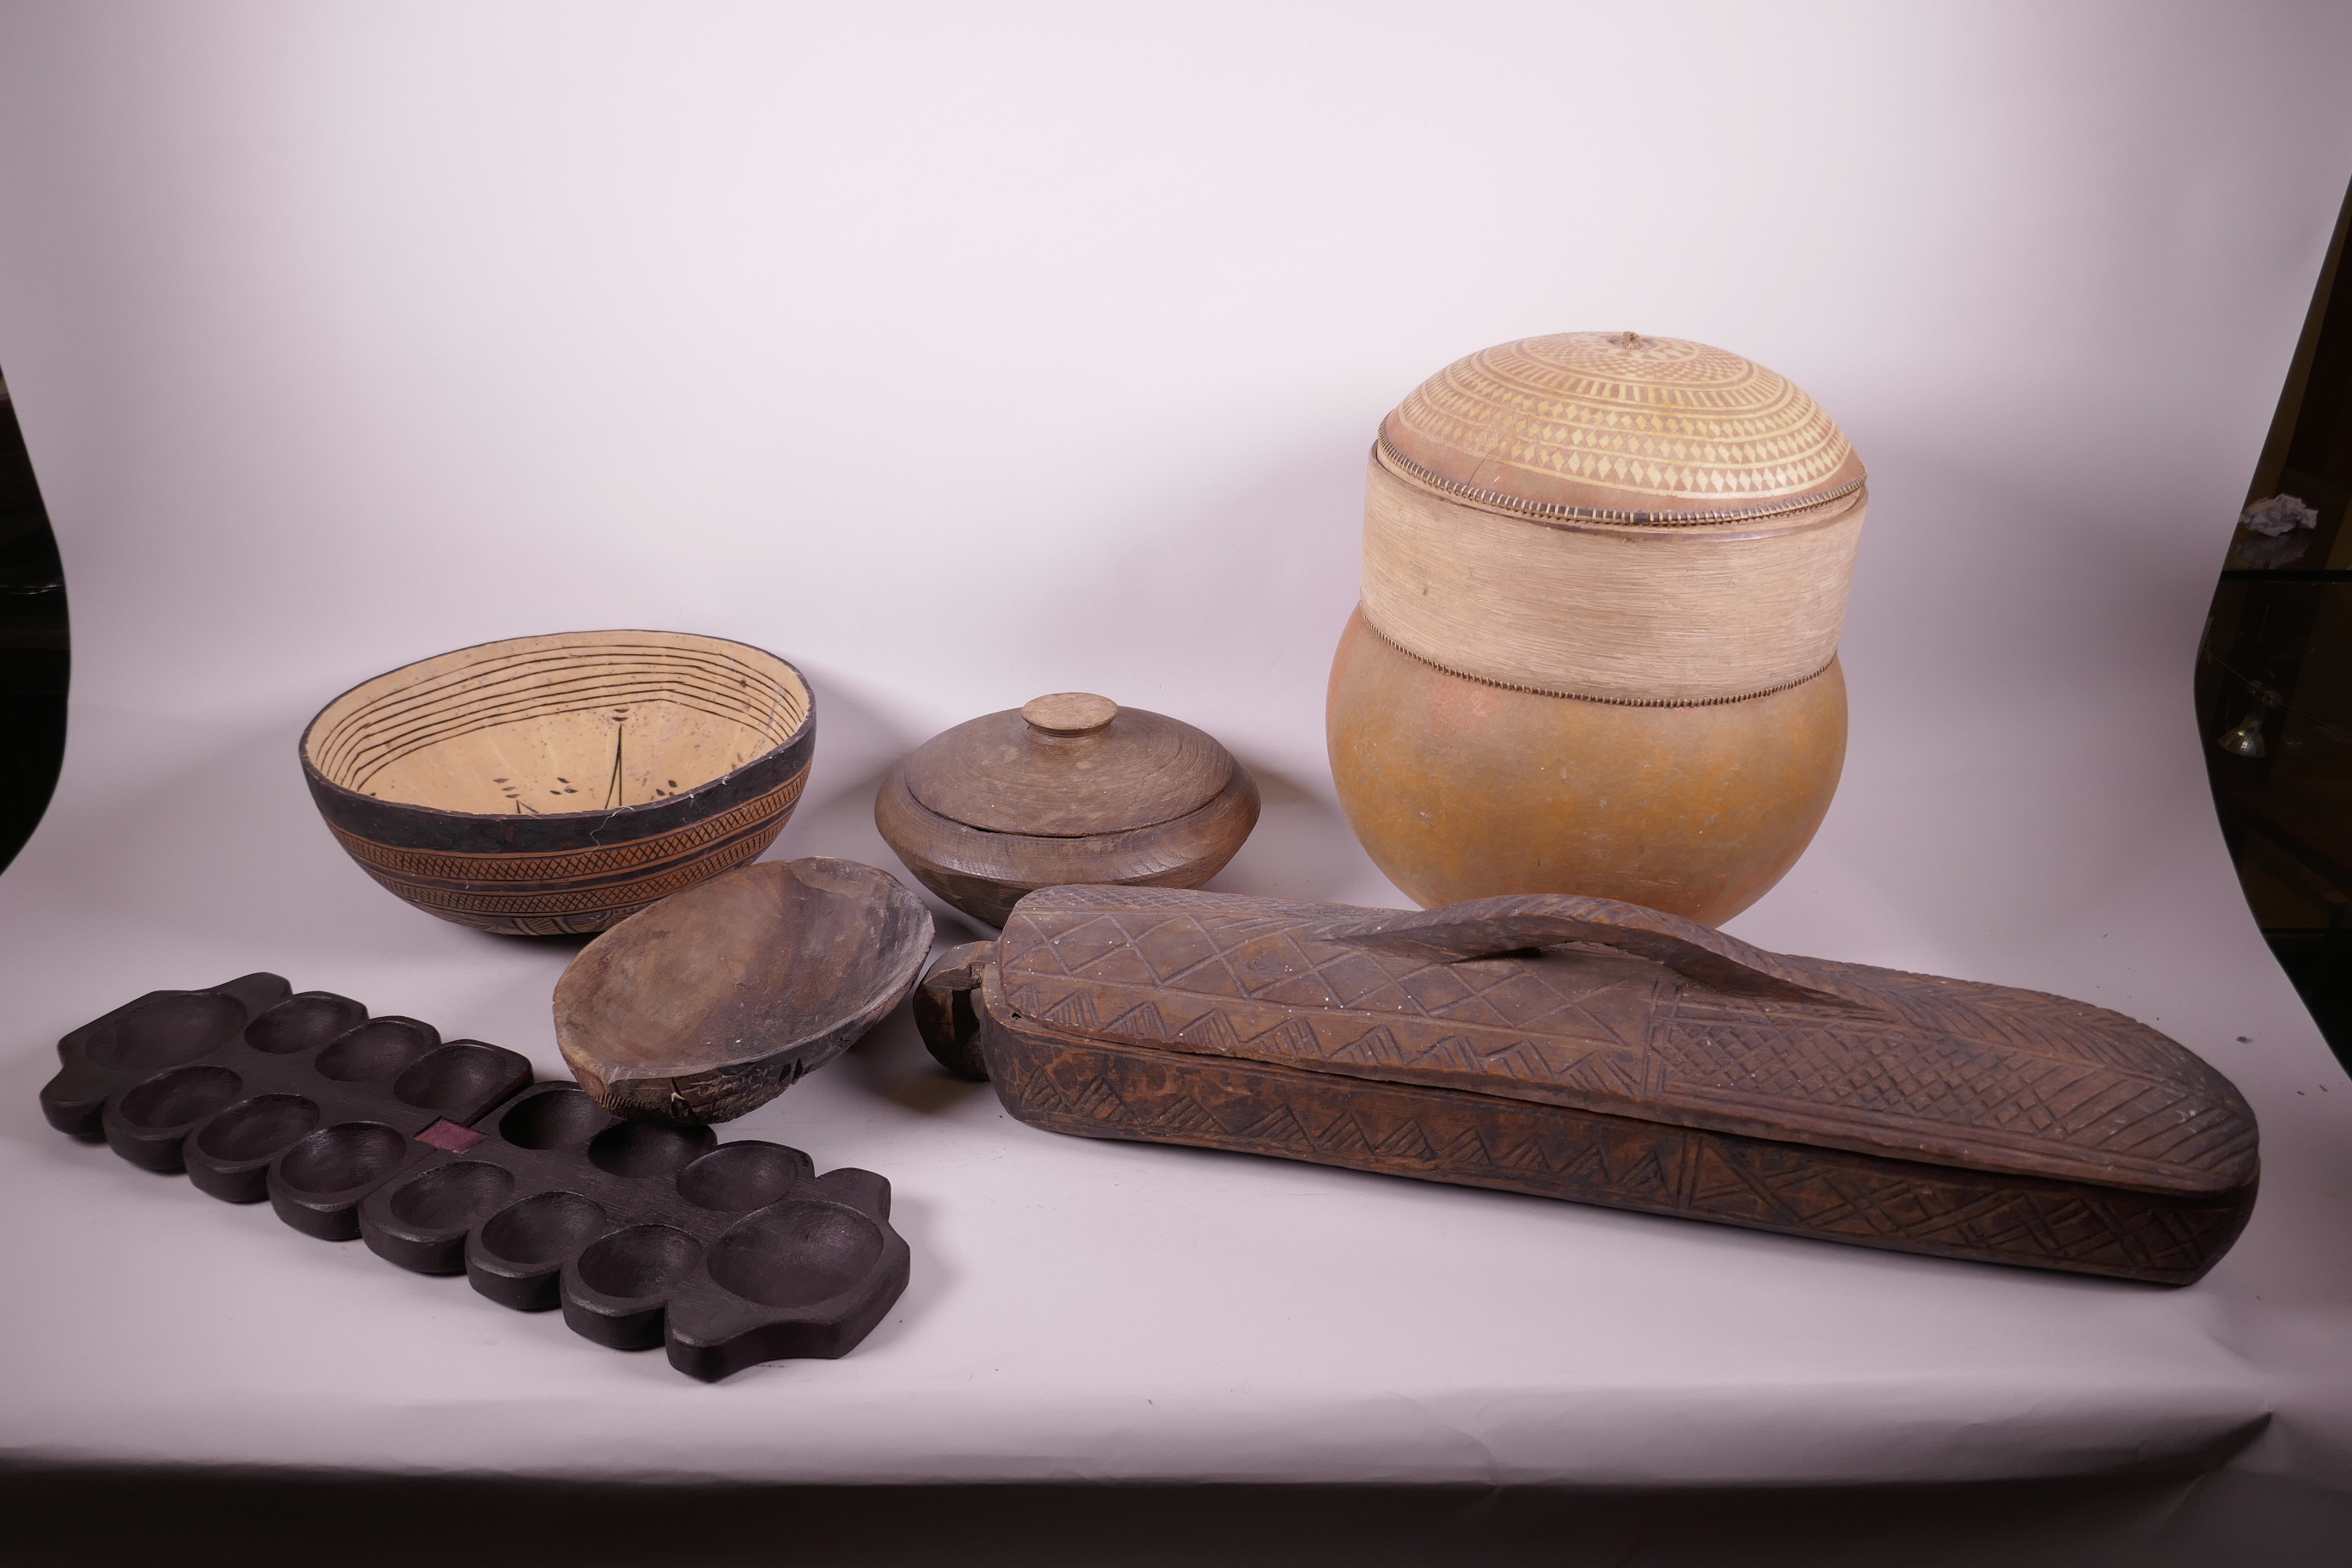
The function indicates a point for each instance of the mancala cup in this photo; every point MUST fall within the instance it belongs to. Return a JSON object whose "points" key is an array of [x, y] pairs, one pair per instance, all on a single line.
{"points": [[555, 785]]}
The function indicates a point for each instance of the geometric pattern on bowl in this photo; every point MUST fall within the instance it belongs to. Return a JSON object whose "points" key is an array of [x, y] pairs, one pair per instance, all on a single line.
{"points": [[552, 786], [446, 1158]]}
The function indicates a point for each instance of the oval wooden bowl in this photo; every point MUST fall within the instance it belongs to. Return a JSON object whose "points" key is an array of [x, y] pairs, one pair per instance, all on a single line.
{"points": [[552, 785], [985, 873], [1461, 789], [720, 999]]}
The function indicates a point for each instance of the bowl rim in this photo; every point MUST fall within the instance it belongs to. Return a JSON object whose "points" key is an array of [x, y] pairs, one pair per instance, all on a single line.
{"points": [[682, 805]]}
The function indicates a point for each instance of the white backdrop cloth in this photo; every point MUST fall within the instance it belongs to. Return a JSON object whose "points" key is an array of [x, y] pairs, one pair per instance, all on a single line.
{"points": [[965, 353]]}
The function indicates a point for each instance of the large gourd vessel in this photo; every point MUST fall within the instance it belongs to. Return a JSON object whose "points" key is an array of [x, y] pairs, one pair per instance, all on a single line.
{"points": [[1603, 580]]}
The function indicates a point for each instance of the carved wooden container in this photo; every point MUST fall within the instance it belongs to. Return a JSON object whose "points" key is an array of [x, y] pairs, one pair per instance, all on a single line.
{"points": [[557, 784], [1071, 787], [717, 999], [1603, 580], [1593, 1050]]}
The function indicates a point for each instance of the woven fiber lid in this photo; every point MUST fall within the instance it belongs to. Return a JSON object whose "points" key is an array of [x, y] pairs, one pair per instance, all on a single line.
{"points": [[1067, 766], [1619, 428]]}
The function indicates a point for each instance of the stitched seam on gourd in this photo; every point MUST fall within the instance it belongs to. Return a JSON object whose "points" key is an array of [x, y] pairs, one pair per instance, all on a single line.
{"points": [[1388, 454]]}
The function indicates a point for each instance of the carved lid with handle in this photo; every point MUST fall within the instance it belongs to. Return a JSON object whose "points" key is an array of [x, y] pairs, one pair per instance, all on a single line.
{"points": [[1612, 1007], [1067, 766]]}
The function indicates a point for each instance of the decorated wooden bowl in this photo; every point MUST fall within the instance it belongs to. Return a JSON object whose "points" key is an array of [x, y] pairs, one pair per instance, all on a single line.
{"points": [[552, 785], [1071, 787], [727, 995]]}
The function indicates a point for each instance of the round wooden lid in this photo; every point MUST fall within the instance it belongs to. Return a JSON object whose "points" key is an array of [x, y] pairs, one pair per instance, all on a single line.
{"points": [[1619, 428], [1068, 765]]}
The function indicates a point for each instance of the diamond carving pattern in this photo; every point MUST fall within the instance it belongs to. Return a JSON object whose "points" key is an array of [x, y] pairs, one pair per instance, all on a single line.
{"points": [[1874, 1061], [1105, 1090]]}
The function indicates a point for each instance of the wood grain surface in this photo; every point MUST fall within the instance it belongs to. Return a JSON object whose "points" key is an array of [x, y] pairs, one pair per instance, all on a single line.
{"points": [[1591, 1050], [985, 873], [1079, 774], [716, 1000], [1069, 788]]}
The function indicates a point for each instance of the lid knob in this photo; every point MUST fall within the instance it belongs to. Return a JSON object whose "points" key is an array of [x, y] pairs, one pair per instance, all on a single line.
{"points": [[1069, 713]]}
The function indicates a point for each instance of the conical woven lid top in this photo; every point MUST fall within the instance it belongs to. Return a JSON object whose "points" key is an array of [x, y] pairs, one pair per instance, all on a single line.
{"points": [[1067, 766], [1620, 427]]}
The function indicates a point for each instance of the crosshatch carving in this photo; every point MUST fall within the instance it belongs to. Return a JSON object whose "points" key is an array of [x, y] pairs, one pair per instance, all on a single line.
{"points": [[1593, 1050]]}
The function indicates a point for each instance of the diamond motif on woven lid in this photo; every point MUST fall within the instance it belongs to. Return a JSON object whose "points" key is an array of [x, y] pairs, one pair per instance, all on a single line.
{"points": [[1623, 428]]}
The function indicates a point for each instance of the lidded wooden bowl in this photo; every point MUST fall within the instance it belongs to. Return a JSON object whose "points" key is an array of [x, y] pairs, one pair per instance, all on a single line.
{"points": [[1069, 788], [557, 784], [1605, 576]]}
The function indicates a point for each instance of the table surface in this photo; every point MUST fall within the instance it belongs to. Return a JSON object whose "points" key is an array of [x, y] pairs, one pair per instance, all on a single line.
{"points": [[1078, 1308]]}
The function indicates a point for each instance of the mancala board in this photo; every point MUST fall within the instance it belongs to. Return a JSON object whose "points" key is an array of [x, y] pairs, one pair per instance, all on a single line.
{"points": [[447, 1159]]}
